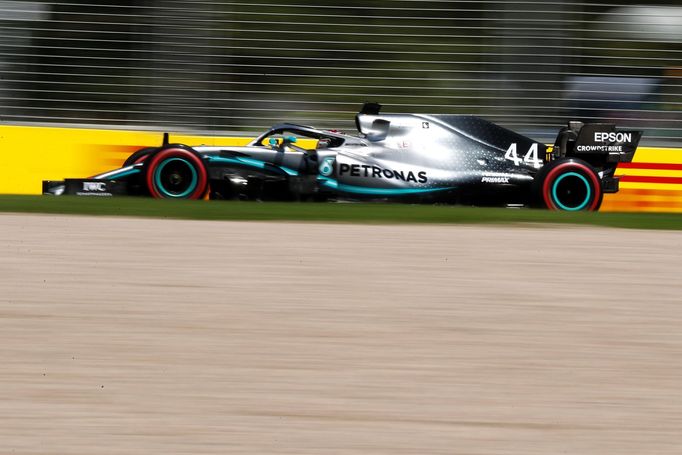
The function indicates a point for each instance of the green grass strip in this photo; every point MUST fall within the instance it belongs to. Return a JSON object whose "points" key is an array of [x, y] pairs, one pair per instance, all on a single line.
{"points": [[329, 212]]}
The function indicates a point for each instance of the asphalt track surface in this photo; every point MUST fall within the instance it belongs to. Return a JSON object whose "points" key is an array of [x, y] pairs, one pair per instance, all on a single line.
{"points": [[139, 336]]}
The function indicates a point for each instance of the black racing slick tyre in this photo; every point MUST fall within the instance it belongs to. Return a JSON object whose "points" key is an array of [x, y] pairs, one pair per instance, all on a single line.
{"points": [[570, 185], [176, 173]]}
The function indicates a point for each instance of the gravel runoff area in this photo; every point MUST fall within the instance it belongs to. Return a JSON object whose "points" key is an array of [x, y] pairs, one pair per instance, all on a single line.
{"points": [[153, 336]]}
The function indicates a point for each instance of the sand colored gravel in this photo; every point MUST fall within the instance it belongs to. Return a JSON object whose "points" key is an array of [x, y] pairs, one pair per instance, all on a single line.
{"points": [[135, 336]]}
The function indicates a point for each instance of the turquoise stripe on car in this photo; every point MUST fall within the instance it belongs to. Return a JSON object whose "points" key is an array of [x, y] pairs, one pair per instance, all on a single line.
{"points": [[118, 175], [252, 162], [333, 184]]}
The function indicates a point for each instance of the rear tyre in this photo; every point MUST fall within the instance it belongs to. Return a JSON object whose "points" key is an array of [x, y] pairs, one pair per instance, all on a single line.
{"points": [[570, 185], [176, 173]]}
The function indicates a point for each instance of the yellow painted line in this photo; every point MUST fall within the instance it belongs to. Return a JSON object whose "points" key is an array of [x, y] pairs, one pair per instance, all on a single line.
{"points": [[658, 155], [649, 172]]}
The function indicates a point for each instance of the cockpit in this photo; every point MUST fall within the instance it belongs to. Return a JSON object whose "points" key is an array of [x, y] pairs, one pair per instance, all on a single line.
{"points": [[299, 138]]}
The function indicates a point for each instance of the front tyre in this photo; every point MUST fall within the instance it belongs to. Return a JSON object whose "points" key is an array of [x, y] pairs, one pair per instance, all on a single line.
{"points": [[139, 156], [176, 173], [570, 185]]}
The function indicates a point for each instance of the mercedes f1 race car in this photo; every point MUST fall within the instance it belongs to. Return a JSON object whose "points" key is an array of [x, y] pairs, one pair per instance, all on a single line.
{"points": [[458, 159]]}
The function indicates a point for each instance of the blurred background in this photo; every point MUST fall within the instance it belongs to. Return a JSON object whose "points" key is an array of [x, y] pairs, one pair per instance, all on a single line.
{"points": [[221, 66]]}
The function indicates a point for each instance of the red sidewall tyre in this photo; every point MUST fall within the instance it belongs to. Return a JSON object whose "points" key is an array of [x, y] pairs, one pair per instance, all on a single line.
{"points": [[155, 163], [140, 159], [577, 168], [139, 156]]}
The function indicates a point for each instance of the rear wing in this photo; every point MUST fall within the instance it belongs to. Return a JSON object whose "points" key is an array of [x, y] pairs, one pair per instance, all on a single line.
{"points": [[598, 143]]}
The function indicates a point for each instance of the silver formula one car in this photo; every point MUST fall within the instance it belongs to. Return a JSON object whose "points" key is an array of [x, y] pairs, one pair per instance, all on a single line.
{"points": [[396, 157]]}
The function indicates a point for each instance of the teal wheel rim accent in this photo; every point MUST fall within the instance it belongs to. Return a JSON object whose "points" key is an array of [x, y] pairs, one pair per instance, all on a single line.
{"points": [[580, 206], [168, 193]]}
